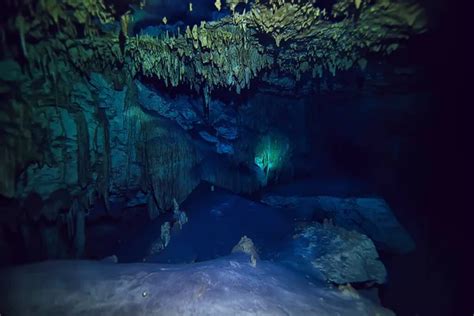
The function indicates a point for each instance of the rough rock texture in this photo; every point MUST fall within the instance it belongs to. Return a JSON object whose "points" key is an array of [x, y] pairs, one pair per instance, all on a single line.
{"points": [[63, 47], [170, 164], [247, 246], [111, 143], [182, 110], [180, 218], [96, 146], [227, 286], [341, 256], [106, 141], [188, 114], [370, 216]]}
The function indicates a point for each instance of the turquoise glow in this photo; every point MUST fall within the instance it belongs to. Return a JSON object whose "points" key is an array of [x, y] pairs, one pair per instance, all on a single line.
{"points": [[271, 153]]}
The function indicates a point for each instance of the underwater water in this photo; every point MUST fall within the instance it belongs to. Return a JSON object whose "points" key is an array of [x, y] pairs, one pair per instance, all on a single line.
{"points": [[232, 157]]}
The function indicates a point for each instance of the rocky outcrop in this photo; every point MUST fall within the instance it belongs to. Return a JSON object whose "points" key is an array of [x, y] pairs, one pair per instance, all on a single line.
{"points": [[340, 255], [161, 243], [370, 216], [180, 218], [246, 245]]}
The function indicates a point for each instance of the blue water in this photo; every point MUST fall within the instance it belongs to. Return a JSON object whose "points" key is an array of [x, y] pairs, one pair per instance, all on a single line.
{"points": [[217, 221]]}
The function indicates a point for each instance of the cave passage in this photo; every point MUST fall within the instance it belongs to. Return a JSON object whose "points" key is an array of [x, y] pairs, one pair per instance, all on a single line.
{"points": [[231, 157]]}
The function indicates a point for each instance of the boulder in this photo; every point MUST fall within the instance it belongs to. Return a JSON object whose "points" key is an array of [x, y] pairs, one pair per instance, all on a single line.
{"points": [[370, 216], [340, 255]]}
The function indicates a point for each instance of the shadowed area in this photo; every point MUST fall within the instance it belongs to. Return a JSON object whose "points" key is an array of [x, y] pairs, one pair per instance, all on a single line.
{"points": [[217, 221]]}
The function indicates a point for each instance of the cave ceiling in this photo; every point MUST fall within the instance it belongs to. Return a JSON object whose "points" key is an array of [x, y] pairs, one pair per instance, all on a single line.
{"points": [[220, 44]]}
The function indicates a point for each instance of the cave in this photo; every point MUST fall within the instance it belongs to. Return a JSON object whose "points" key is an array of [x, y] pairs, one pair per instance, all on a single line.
{"points": [[237, 157]]}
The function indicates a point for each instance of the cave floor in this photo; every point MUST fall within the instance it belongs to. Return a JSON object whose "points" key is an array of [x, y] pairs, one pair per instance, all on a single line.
{"points": [[224, 286]]}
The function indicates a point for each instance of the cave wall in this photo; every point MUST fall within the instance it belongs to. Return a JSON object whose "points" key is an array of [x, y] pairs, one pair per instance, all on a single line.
{"points": [[104, 110], [112, 144]]}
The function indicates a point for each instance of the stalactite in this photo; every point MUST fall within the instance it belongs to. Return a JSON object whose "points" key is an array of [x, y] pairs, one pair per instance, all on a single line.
{"points": [[18, 146], [206, 103], [170, 163], [75, 225], [79, 240], [135, 121], [83, 156], [104, 180], [152, 207]]}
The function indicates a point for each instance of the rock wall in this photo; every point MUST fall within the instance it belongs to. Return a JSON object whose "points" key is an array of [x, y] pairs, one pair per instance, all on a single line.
{"points": [[109, 142]]}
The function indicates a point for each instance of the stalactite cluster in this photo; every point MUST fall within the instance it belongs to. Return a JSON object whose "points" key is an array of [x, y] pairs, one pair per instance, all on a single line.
{"points": [[228, 52], [169, 166]]}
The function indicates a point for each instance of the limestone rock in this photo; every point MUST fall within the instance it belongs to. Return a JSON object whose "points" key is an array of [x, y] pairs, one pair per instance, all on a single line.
{"points": [[179, 110], [341, 256], [247, 246], [224, 286], [190, 116], [62, 170], [153, 210], [370, 216], [165, 234], [179, 216], [171, 159]]}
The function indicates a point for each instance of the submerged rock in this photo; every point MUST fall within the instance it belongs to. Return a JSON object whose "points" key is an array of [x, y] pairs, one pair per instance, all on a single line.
{"points": [[370, 216], [226, 286], [161, 243], [247, 246], [179, 215], [165, 234], [341, 256]]}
